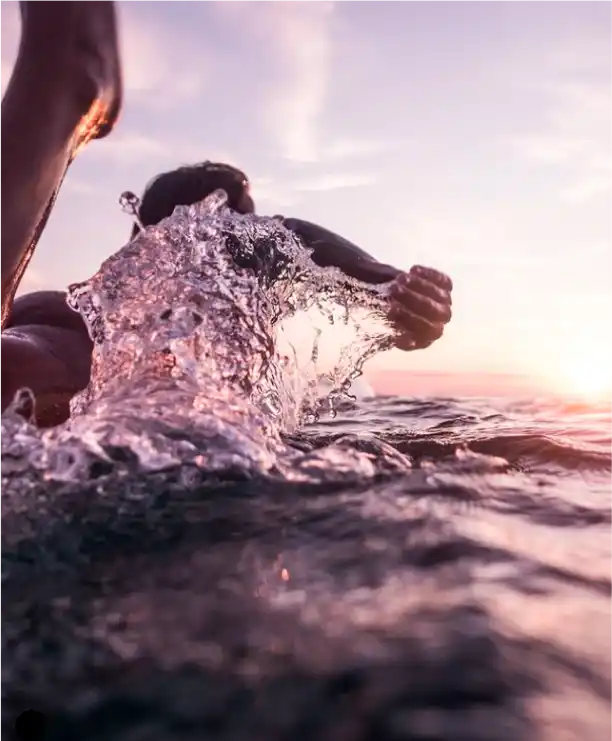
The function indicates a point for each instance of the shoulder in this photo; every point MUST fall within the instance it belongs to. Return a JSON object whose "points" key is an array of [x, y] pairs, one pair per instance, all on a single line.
{"points": [[45, 347], [45, 308], [44, 322]]}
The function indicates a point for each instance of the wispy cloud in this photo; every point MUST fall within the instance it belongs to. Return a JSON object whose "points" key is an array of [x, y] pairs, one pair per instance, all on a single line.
{"points": [[271, 192], [294, 110], [129, 147], [354, 148], [575, 136], [299, 37], [33, 280], [81, 187], [157, 70], [334, 182], [586, 188], [283, 192]]}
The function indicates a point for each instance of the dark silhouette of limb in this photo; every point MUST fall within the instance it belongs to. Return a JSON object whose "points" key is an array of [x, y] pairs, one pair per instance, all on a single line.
{"points": [[64, 92], [419, 300]]}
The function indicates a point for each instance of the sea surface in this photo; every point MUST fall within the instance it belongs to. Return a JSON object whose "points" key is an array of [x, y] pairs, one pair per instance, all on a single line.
{"points": [[180, 565]]}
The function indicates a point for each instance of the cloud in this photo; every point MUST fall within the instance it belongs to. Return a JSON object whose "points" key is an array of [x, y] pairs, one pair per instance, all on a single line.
{"points": [[298, 35], [150, 56], [349, 148], [283, 192], [32, 281], [586, 189], [129, 147], [157, 70], [575, 136], [81, 187], [294, 109], [274, 192], [334, 182]]}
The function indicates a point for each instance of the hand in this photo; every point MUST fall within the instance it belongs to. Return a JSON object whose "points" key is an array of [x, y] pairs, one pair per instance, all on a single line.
{"points": [[420, 307], [420, 301]]}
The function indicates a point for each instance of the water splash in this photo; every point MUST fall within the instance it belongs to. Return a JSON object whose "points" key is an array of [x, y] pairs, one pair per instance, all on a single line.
{"points": [[130, 204], [186, 367]]}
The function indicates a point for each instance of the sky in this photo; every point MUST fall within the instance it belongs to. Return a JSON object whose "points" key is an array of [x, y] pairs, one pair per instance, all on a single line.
{"points": [[473, 137]]}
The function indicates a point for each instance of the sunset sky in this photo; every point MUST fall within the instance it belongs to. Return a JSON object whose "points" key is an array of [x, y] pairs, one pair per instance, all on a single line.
{"points": [[471, 137]]}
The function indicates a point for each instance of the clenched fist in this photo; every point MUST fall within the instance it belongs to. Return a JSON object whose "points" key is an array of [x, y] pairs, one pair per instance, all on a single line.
{"points": [[420, 307]]}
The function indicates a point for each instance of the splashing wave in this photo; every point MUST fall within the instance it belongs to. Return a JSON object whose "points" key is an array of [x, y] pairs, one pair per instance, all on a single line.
{"points": [[185, 366]]}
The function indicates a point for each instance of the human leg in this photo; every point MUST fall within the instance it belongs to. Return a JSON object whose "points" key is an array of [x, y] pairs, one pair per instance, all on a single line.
{"points": [[65, 91]]}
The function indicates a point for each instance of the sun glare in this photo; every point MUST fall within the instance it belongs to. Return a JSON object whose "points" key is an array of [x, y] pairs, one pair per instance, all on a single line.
{"points": [[588, 377]]}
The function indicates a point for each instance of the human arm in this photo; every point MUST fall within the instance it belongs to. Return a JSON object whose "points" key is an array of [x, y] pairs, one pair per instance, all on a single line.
{"points": [[65, 90], [419, 300], [50, 361], [46, 348]]}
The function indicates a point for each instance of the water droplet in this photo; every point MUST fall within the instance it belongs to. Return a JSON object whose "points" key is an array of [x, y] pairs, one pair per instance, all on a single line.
{"points": [[130, 204]]}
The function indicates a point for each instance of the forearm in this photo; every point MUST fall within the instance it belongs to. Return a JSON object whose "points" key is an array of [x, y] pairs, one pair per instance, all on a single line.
{"points": [[64, 91], [417, 304], [37, 135], [332, 250]]}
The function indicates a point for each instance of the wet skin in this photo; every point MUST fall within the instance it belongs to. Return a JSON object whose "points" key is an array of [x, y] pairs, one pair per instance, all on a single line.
{"points": [[65, 91], [68, 71]]}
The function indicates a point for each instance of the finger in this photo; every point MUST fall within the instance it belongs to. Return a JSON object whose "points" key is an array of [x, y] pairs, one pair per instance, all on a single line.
{"points": [[427, 288], [406, 283], [434, 276], [422, 306], [406, 341], [423, 331]]}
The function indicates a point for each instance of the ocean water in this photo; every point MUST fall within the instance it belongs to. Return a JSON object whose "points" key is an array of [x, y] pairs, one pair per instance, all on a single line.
{"points": [[203, 551]]}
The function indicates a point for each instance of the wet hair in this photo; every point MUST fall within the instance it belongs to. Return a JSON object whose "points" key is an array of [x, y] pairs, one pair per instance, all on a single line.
{"points": [[188, 185]]}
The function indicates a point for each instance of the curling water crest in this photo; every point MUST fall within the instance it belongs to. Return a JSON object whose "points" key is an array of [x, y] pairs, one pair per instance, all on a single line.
{"points": [[186, 365]]}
